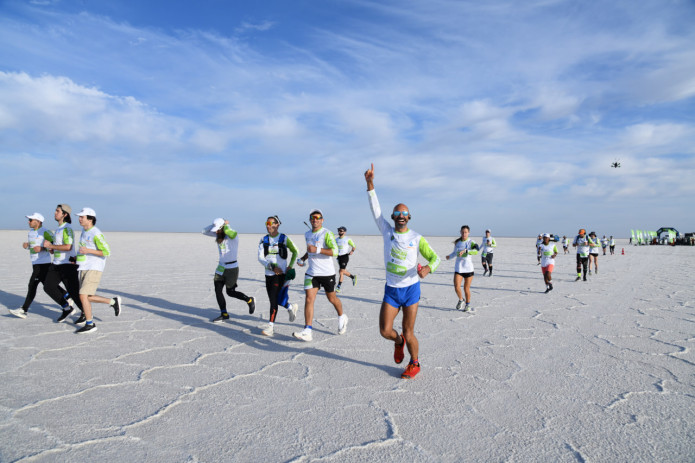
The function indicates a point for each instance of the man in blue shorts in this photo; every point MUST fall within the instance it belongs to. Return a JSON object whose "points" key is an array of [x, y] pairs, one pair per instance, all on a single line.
{"points": [[402, 291]]}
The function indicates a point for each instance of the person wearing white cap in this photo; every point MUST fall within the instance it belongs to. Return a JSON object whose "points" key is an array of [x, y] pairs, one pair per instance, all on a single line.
{"points": [[321, 248], [486, 250], [547, 252], [40, 264], [345, 249], [594, 244], [91, 257], [227, 271], [63, 269]]}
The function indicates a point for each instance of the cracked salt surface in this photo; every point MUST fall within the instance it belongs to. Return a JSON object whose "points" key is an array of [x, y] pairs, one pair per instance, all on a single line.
{"points": [[595, 371]]}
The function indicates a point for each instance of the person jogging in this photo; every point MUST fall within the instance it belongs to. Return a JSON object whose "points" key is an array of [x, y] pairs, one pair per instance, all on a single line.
{"points": [[539, 241], [320, 273], [37, 239], [64, 269], [227, 271], [345, 249], [464, 248], [402, 289], [582, 244], [91, 257], [611, 244], [594, 244], [487, 248], [273, 251], [565, 245], [548, 252]]}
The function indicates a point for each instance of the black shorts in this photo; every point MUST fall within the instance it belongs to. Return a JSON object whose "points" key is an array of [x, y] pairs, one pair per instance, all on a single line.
{"points": [[465, 275], [343, 261], [327, 282], [487, 258]]}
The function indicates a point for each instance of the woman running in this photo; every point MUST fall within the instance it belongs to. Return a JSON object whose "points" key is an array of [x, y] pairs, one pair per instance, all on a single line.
{"points": [[464, 248]]}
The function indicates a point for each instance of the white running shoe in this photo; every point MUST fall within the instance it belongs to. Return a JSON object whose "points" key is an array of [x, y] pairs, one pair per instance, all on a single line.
{"points": [[342, 324], [20, 312], [467, 308], [459, 305], [268, 331], [304, 335], [293, 312]]}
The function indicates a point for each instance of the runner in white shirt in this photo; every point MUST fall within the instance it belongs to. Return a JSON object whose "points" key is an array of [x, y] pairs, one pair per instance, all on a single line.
{"points": [[345, 249], [611, 243], [486, 252], [402, 290], [91, 257], [582, 244], [594, 244], [539, 241], [547, 252], [321, 249], [464, 248], [565, 244]]}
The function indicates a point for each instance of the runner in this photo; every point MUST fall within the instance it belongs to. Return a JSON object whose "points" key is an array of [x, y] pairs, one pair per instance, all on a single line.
{"points": [[604, 244], [91, 256], [582, 244], [321, 248], [40, 257], [611, 242], [548, 253], [565, 244], [64, 268], [539, 241], [272, 254], [227, 271], [402, 289], [464, 248], [487, 250], [345, 249], [594, 244]]}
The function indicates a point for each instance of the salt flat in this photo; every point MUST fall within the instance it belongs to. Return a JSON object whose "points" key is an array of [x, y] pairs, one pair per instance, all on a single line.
{"points": [[592, 372]]}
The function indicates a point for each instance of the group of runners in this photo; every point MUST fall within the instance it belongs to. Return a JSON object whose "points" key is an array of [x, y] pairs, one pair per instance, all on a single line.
{"points": [[57, 259]]}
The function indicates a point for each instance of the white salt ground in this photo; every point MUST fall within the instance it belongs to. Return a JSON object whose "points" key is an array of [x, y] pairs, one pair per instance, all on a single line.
{"points": [[595, 371]]}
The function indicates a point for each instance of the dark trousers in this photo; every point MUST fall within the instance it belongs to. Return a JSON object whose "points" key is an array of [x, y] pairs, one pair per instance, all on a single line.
{"points": [[38, 275], [68, 275]]}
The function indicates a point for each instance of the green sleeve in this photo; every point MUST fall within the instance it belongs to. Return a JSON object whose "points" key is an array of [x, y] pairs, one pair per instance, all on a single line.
{"points": [[351, 243], [68, 236], [48, 236], [474, 249], [429, 254], [102, 245], [229, 232], [293, 250], [494, 245], [329, 241]]}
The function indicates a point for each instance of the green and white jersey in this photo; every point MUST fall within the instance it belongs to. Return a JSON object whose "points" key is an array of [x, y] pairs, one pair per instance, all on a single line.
{"points": [[228, 248], [401, 250], [321, 265], [566, 243], [594, 244], [547, 251], [582, 245], [64, 235], [36, 238], [273, 259], [488, 245], [464, 263], [612, 242], [93, 239], [345, 245]]}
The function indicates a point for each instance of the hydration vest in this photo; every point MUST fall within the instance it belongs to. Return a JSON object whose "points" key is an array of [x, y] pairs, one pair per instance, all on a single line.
{"points": [[282, 247]]}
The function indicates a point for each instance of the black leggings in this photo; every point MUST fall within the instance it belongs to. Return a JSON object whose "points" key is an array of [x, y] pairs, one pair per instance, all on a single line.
{"points": [[38, 275], [232, 292], [582, 262], [68, 275]]}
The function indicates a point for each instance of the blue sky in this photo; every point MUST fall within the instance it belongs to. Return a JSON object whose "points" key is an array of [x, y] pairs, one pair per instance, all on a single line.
{"points": [[162, 115]]}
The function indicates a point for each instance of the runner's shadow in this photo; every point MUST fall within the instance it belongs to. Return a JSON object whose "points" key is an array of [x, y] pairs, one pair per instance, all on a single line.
{"points": [[14, 301]]}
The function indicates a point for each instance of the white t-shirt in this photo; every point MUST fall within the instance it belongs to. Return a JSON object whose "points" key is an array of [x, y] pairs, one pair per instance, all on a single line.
{"points": [[547, 251], [321, 265], [464, 264], [64, 235], [93, 239], [36, 238]]}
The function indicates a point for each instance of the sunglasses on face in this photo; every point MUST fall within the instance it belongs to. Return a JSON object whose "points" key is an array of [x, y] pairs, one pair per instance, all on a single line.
{"points": [[399, 213], [316, 217], [270, 223]]}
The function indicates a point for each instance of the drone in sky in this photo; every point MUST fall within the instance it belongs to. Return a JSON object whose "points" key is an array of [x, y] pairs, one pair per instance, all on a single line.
{"points": [[615, 164]]}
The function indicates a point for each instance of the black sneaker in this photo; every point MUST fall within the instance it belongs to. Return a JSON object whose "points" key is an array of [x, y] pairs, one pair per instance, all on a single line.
{"points": [[117, 305], [81, 320], [550, 287], [252, 305], [221, 318], [92, 327], [578, 278], [547, 289], [66, 313]]}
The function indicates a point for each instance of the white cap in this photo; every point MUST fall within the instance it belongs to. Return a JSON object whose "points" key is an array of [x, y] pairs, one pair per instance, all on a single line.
{"points": [[488, 230], [217, 224], [87, 211], [546, 235], [35, 216], [313, 211]]}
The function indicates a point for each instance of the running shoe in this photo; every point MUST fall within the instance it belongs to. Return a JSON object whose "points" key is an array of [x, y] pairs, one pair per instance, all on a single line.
{"points": [[252, 305], [459, 306], [342, 324], [547, 289], [485, 273], [81, 320], [589, 272], [354, 280], [337, 289], [399, 351], [117, 305], [578, 278], [66, 313], [268, 331], [221, 318], [20, 312], [304, 335], [293, 312], [411, 370], [467, 307], [89, 328]]}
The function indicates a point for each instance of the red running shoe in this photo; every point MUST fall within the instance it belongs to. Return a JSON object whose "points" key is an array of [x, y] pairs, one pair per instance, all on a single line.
{"points": [[411, 370], [399, 351]]}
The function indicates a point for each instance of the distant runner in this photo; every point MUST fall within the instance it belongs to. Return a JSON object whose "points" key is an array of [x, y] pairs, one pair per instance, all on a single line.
{"points": [[565, 244], [345, 249], [582, 244], [539, 241], [611, 243], [487, 248], [548, 252], [464, 248], [594, 244], [604, 244], [402, 290]]}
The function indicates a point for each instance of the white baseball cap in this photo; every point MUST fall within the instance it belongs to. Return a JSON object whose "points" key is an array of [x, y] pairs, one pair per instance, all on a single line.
{"points": [[217, 224], [314, 211], [35, 216], [546, 235], [87, 211]]}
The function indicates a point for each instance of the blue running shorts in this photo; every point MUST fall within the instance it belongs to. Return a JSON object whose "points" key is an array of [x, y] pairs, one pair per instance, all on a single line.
{"points": [[402, 297]]}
